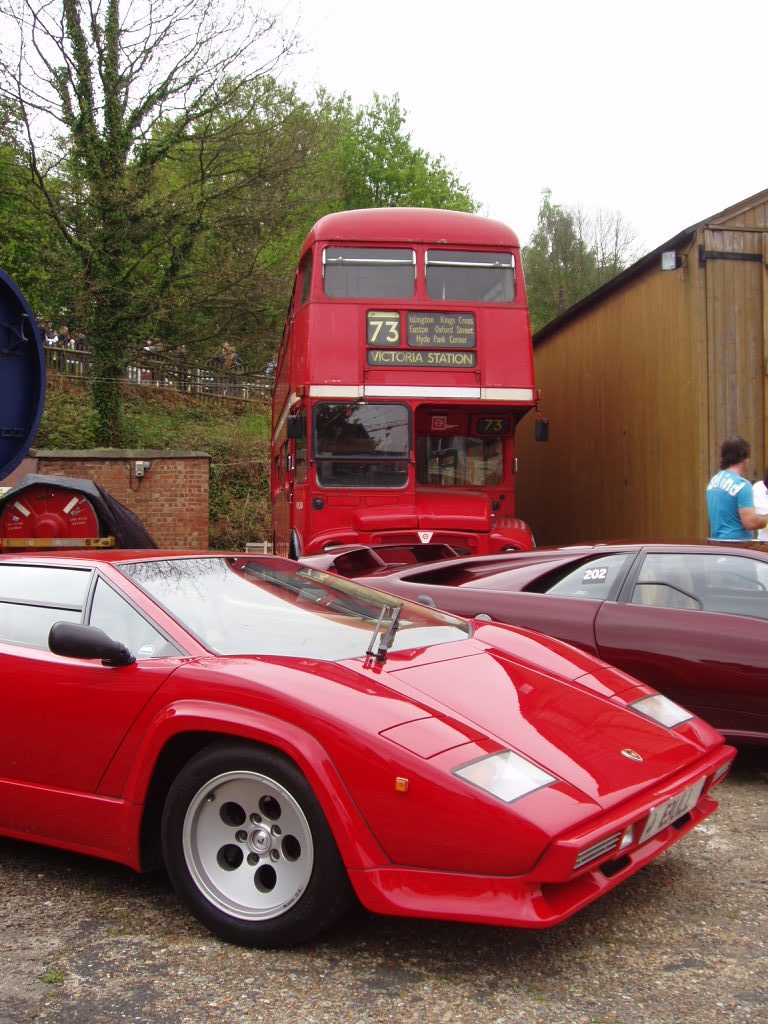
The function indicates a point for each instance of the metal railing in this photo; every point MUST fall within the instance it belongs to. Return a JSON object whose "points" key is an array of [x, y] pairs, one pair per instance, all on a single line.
{"points": [[152, 369]]}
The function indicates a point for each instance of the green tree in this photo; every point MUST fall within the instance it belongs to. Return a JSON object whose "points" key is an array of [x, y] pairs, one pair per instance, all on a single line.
{"points": [[29, 249], [297, 160], [105, 93], [570, 255], [380, 166], [237, 274]]}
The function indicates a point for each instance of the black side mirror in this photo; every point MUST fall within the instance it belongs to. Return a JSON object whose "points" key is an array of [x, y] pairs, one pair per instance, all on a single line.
{"points": [[542, 430], [74, 640], [296, 427]]}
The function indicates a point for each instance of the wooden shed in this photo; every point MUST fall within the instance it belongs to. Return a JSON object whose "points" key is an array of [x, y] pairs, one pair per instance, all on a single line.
{"points": [[643, 379]]}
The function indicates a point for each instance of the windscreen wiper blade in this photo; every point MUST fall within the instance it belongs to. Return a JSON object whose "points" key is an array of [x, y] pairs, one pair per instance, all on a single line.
{"points": [[376, 628], [389, 636]]}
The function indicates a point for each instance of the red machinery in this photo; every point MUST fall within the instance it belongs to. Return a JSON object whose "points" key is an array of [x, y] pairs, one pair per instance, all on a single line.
{"points": [[44, 516], [66, 512]]}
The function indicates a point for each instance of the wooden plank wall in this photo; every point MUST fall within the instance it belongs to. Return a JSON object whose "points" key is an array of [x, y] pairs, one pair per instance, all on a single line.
{"points": [[736, 338], [642, 388], [624, 388]]}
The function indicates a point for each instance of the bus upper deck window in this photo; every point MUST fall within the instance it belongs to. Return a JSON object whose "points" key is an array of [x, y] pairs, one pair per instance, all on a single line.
{"points": [[357, 273], [470, 276], [305, 272]]}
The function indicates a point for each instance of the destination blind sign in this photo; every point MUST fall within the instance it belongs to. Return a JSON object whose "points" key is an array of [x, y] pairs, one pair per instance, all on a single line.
{"points": [[441, 330], [433, 339]]}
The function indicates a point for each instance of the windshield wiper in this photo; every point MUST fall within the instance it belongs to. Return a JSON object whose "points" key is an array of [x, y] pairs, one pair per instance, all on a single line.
{"points": [[386, 641]]}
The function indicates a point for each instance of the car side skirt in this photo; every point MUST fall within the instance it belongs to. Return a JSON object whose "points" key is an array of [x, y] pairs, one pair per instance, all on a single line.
{"points": [[94, 825]]}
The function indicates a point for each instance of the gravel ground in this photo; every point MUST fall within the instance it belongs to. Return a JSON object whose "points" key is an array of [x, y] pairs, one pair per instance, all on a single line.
{"points": [[85, 942]]}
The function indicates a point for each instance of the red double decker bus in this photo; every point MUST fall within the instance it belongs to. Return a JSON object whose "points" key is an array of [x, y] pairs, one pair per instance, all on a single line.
{"points": [[404, 367]]}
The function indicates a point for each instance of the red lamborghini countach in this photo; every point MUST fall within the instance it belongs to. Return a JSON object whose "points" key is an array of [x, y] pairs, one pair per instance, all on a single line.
{"points": [[283, 740]]}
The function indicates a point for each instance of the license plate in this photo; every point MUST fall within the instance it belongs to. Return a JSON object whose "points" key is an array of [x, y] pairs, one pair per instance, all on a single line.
{"points": [[671, 810]]}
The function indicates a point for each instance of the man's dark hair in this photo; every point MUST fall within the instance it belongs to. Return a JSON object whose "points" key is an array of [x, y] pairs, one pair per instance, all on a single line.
{"points": [[735, 449]]}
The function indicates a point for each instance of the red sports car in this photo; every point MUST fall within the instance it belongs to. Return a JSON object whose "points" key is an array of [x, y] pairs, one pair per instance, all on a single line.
{"points": [[688, 619], [283, 739]]}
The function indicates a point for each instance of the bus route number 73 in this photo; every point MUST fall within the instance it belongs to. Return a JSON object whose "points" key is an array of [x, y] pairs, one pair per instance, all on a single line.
{"points": [[383, 330]]}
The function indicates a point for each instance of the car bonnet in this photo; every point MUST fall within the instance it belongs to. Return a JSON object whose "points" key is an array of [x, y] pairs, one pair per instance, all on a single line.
{"points": [[601, 747]]}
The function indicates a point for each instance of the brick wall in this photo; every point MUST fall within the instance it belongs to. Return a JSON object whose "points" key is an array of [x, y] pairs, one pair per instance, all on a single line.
{"points": [[171, 499]]}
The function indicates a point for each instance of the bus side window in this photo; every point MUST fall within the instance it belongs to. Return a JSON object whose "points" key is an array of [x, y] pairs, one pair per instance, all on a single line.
{"points": [[305, 273], [291, 307]]}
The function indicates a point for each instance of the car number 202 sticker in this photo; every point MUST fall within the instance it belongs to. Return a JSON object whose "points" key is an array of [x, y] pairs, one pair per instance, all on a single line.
{"points": [[595, 575], [673, 809]]}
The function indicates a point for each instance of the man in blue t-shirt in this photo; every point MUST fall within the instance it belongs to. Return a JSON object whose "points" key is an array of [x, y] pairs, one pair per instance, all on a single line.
{"points": [[730, 502]]}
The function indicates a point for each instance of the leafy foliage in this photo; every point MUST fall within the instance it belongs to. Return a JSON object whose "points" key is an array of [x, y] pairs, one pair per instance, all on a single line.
{"points": [[380, 166], [125, 84], [570, 255], [180, 177], [29, 246]]}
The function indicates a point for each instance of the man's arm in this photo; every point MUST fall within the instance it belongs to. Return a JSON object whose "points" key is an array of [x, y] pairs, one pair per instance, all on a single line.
{"points": [[752, 520]]}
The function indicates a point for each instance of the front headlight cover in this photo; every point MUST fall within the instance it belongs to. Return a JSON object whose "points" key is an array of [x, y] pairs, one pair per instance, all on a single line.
{"points": [[505, 775], [661, 709]]}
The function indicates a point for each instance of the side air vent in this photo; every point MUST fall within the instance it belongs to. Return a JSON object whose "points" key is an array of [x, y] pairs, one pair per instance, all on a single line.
{"points": [[598, 850]]}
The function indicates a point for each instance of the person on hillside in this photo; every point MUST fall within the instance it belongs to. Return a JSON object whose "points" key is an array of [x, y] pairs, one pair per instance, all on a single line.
{"points": [[228, 360], [730, 498], [49, 334], [231, 360]]}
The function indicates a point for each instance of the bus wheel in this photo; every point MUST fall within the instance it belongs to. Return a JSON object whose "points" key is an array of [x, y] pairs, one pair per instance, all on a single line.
{"points": [[249, 850]]}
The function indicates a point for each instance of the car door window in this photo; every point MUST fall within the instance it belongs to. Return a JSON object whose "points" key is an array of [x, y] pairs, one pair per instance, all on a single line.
{"points": [[29, 626], [33, 597], [597, 579], [666, 580], [735, 585], [44, 584], [722, 583], [120, 621]]}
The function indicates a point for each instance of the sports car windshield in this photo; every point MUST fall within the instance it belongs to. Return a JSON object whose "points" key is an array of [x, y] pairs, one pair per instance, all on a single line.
{"points": [[268, 606]]}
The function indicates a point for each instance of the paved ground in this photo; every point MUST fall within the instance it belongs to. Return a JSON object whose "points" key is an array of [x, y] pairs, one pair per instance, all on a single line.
{"points": [[83, 942]]}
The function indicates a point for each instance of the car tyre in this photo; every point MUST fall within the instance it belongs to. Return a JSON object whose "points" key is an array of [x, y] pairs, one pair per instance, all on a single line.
{"points": [[248, 848]]}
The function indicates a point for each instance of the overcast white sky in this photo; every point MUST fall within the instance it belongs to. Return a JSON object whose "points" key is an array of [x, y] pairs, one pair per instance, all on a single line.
{"points": [[654, 109]]}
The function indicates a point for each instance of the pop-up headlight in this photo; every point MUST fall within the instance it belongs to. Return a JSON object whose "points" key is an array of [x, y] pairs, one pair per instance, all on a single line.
{"points": [[662, 710], [505, 775]]}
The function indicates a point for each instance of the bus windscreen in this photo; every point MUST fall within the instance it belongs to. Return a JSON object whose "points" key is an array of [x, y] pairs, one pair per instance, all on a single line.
{"points": [[361, 445]]}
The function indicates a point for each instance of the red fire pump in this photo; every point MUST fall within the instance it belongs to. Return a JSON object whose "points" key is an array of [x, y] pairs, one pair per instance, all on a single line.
{"points": [[50, 517]]}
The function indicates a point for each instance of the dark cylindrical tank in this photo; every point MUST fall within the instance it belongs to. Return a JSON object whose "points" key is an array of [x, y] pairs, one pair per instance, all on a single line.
{"points": [[22, 376]]}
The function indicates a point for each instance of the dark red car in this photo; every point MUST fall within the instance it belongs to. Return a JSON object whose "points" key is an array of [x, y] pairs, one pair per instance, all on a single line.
{"points": [[687, 619], [283, 739]]}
